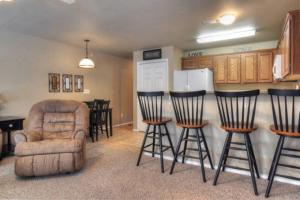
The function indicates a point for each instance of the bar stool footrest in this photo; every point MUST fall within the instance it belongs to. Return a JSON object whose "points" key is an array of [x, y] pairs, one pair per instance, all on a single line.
{"points": [[290, 155], [237, 149], [288, 177], [289, 166], [237, 158], [234, 167]]}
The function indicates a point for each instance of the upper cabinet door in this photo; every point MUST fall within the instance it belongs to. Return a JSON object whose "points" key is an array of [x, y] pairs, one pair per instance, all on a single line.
{"points": [[285, 49], [190, 63], [205, 62], [220, 69], [265, 65], [249, 68], [234, 69]]}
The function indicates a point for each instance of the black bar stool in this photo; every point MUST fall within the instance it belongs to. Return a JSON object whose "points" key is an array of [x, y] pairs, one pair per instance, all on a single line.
{"points": [[188, 108], [237, 113], [151, 108], [285, 125]]}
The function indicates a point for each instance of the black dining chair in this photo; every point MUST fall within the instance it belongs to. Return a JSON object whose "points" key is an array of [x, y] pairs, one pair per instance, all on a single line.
{"points": [[92, 118], [151, 104], [286, 117], [103, 117], [237, 114], [188, 109]]}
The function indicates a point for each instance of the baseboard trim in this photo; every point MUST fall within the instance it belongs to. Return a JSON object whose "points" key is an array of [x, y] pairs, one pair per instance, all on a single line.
{"points": [[123, 124], [235, 171]]}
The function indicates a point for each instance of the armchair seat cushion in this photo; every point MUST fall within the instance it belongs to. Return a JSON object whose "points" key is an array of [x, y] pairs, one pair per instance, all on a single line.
{"points": [[49, 147]]}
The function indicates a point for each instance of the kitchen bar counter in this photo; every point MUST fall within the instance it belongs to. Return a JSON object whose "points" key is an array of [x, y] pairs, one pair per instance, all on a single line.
{"points": [[264, 141]]}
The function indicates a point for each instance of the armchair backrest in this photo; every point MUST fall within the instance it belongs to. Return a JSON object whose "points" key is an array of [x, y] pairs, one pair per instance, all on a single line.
{"points": [[58, 118]]}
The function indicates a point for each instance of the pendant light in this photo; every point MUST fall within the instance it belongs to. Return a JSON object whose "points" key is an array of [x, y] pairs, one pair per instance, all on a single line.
{"points": [[86, 62]]}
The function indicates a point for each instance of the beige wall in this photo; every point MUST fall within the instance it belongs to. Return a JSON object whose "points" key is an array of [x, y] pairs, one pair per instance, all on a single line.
{"points": [[25, 62], [173, 55]]}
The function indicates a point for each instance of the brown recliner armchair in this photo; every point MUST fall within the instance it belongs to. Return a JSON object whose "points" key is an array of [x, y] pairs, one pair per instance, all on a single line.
{"points": [[54, 141]]}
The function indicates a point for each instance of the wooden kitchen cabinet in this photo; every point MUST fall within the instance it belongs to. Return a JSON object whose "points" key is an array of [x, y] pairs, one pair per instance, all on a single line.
{"points": [[234, 68], [205, 62], [284, 49], [289, 47], [190, 63], [264, 67], [249, 67], [220, 69]]}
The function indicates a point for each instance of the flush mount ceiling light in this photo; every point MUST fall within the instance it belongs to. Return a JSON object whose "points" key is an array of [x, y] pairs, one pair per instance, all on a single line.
{"points": [[227, 19], [86, 62], [227, 35], [6, 0], [68, 1]]}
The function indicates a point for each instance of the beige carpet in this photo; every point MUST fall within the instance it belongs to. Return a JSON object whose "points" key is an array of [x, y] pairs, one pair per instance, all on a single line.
{"points": [[110, 173]]}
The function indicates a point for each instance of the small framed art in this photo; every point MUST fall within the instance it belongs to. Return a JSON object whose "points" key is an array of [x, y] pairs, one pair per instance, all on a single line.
{"points": [[67, 80], [54, 82], [78, 83]]}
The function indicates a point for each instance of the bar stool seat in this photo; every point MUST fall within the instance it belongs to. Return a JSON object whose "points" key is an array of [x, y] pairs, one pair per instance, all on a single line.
{"points": [[284, 133], [193, 125], [164, 120], [239, 130]]}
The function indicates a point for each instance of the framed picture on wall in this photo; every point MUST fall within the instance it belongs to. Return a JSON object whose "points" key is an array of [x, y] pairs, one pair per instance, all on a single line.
{"points": [[67, 81], [78, 83], [54, 82]]}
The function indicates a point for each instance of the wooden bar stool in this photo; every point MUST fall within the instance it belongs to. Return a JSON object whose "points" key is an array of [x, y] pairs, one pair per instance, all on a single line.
{"points": [[286, 125], [151, 108], [188, 108], [237, 113]]}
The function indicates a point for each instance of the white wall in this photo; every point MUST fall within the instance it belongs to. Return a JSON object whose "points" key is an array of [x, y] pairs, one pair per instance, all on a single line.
{"points": [[25, 62]]}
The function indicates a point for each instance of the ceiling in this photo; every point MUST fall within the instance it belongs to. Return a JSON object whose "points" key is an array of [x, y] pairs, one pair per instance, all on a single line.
{"points": [[119, 27]]}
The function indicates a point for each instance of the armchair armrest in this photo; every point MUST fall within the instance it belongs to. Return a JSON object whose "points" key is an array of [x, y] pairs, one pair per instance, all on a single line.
{"points": [[23, 136], [79, 135]]}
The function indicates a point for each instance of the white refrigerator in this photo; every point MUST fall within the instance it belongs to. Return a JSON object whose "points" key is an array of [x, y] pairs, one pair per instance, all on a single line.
{"points": [[193, 80]]}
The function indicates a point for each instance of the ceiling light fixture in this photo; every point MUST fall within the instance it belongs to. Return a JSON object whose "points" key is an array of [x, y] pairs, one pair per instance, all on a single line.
{"points": [[227, 35], [86, 62], [227, 19]]}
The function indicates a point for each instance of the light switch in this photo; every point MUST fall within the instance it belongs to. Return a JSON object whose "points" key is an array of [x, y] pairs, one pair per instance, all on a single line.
{"points": [[86, 91]]}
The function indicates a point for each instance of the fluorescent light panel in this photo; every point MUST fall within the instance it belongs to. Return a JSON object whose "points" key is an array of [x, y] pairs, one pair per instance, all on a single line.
{"points": [[227, 35]]}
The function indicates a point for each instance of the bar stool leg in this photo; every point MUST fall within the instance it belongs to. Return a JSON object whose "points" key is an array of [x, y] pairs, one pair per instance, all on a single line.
{"points": [[161, 150], [206, 148], [227, 152], [143, 144], [92, 134], [153, 140], [226, 144], [275, 153], [97, 132], [274, 167], [185, 144], [170, 141], [250, 161], [253, 156], [177, 150], [200, 156]]}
